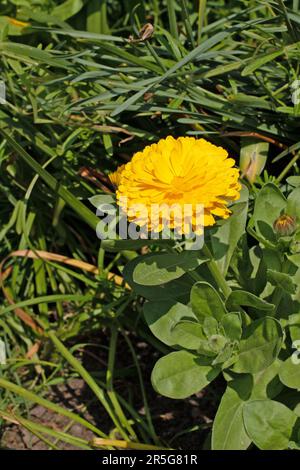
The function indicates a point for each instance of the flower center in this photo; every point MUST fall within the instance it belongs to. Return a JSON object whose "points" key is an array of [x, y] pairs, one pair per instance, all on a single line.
{"points": [[178, 185]]}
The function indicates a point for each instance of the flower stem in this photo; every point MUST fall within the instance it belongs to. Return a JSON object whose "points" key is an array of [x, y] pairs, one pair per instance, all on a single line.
{"points": [[216, 273], [288, 167]]}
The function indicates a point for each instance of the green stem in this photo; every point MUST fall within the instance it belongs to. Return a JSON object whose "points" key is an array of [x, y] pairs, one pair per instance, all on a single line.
{"points": [[110, 388], [30, 396], [186, 19], [36, 428], [99, 393], [86, 214], [139, 372], [101, 256], [277, 296], [156, 56], [288, 167], [278, 291], [216, 273]]}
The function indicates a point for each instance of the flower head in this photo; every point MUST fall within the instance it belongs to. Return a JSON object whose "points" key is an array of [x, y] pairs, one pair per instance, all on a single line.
{"points": [[183, 171], [115, 177], [285, 225]]}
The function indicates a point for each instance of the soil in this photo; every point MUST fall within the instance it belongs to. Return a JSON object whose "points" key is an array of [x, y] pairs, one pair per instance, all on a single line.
{"points": [[180, 424]]}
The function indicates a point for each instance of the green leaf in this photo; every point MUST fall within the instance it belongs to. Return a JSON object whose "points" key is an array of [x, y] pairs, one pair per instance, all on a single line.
{"points": [[2, 353], [227, 356], [178, 289], [272, 259], [210, 326], [228, 429], [269, 424], [246, 299], [266, 383], [102, 199], [295, 259], [269, 204], [36, 398], [217, 343], [259, 346], [97, 17], [253, 157], [87, 215], [187, 334], [290, 374], [47, 299], [172, 19], [224, 240], [95, 37], [194, 54], [180, 374], [12, 29], [222, 69], [67, 9], [158, 269], [206, 302], [282, 280], [293, 206], [41, 56], [252, 269], [261, 61], [294, 326], [205, 349], [232, 325], [293, 180], [251, 101], [162, 318], [86, 376]]}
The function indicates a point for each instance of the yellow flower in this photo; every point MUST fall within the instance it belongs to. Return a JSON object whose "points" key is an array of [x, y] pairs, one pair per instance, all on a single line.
{"points": [[116, 176], [177, 172]]}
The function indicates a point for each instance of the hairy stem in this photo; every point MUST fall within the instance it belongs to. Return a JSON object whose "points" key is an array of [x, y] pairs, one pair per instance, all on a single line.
{"points": [[216, 273]]}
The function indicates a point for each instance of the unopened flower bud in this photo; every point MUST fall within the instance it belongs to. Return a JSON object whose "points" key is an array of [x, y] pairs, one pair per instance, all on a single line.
{"points": [[285, 225]]}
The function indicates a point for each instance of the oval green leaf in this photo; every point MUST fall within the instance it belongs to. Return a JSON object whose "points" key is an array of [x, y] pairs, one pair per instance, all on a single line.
{"points": [[180, 374], [269, 424], [158, 269], [206, 302], [259, 346], [289, 373], [246, 299], [162, 317]]}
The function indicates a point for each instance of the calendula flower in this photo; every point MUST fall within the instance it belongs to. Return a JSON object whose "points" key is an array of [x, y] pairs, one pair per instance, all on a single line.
{"points": [[285, 225], [115, 177], [177, 172]]}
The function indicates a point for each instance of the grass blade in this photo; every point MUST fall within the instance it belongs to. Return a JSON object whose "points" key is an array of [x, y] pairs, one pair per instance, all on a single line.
{"points": [[30, 396], [172, 19], [87, 215]]}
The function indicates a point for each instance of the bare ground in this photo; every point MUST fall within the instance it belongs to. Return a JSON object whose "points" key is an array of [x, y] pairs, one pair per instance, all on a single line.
{"points": [[171, 418]]}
